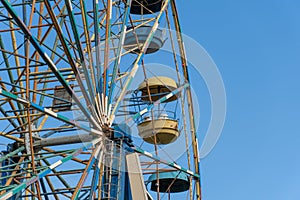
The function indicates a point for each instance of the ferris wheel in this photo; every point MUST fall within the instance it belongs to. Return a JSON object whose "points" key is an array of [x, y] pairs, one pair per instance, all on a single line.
{"points": [[85, 113]]}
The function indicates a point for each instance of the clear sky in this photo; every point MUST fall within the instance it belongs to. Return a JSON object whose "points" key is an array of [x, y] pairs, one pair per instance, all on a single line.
{"points": [[256, 46]]}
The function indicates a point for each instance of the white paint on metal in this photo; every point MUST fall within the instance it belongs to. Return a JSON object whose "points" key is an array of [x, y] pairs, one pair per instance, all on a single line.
{"points": [[50, 112], [6, 196], [136, 179], [55, 164], [49, 59], [22, 100], [148, 154], [144, 111], [96, 131], [169, 95], [177, 166]]}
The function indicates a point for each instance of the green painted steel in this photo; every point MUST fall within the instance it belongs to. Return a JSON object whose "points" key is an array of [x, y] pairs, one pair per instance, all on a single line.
{"points": [[43, 173]]}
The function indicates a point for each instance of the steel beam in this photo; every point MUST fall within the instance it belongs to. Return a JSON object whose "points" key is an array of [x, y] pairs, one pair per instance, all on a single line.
{"points": [[72, 139]]}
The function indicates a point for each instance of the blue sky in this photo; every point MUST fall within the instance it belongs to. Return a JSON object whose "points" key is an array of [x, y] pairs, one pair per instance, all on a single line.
{"points": [[256, 46]]}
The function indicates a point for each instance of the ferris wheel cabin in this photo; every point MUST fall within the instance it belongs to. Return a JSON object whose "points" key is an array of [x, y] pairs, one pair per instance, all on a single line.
{"points": [[161, 127], [137, 35], [136, 38], [170, 182], [140, 7], [59, 90]]}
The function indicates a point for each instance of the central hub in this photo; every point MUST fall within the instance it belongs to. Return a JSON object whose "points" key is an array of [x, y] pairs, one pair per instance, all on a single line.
{"points": [[108, 131]]}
